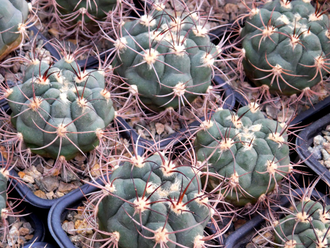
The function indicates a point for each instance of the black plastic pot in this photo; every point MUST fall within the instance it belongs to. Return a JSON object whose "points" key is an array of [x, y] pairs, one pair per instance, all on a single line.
{"points": [[58, 212], [177, 137], [305, 140], [243, 235]]}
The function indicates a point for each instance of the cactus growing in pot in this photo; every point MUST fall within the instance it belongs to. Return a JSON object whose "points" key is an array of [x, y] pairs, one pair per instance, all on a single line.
{"points": [[60, 111], [307, 226], [166, 57], [13, 15], [242, 150], [286, 46], [149, 202], [305, 221], [97, 9], [83, 17]]}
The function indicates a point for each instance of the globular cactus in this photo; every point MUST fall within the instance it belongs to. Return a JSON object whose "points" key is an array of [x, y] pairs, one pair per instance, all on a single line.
{"points": [[166, 57], [97, 9], [13, 14], [84, 18], [153, 202], [307, 225], [286, 46], [60, 110], [246, 154]]}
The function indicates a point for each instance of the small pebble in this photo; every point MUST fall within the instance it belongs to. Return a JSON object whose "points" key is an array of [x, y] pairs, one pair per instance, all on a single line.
{"points": [[13, 236], [32, 171], [28, 225], [326, 146], [325, 133], [325, 154], [327, 164], [70, 215], [327, 128], [67, 187], [40, 194], [76, 238], [58, 194], [28, 237], [23, 231], [316, 152], [28, 179], [68, 226], [49, 183], [318, 140], [50, 195], [82, 226]]}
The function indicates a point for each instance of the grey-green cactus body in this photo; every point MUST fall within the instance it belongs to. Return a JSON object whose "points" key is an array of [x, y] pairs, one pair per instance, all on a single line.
{"points": [[13, 13], [246, 150], [97, 8], [159, 186], [166, 58], [306, 227], [3, 192], [286, 46], [57, 113]]}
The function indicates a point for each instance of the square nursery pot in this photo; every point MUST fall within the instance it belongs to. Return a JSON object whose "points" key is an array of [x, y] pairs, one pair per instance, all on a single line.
{"points": [[305, 140], [74, 199], [242, 236]]}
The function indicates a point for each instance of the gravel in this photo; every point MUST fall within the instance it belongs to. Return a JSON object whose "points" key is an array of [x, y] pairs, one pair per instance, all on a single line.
{"points": [[321, 147]]}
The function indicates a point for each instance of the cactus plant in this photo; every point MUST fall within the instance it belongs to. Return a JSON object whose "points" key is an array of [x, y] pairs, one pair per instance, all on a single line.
{"points": [[307, 225], [286, 46], [97, 9], [166, 57], [59, 110], [153, 202], [13, 14], [246, 154], [83, 18]]}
